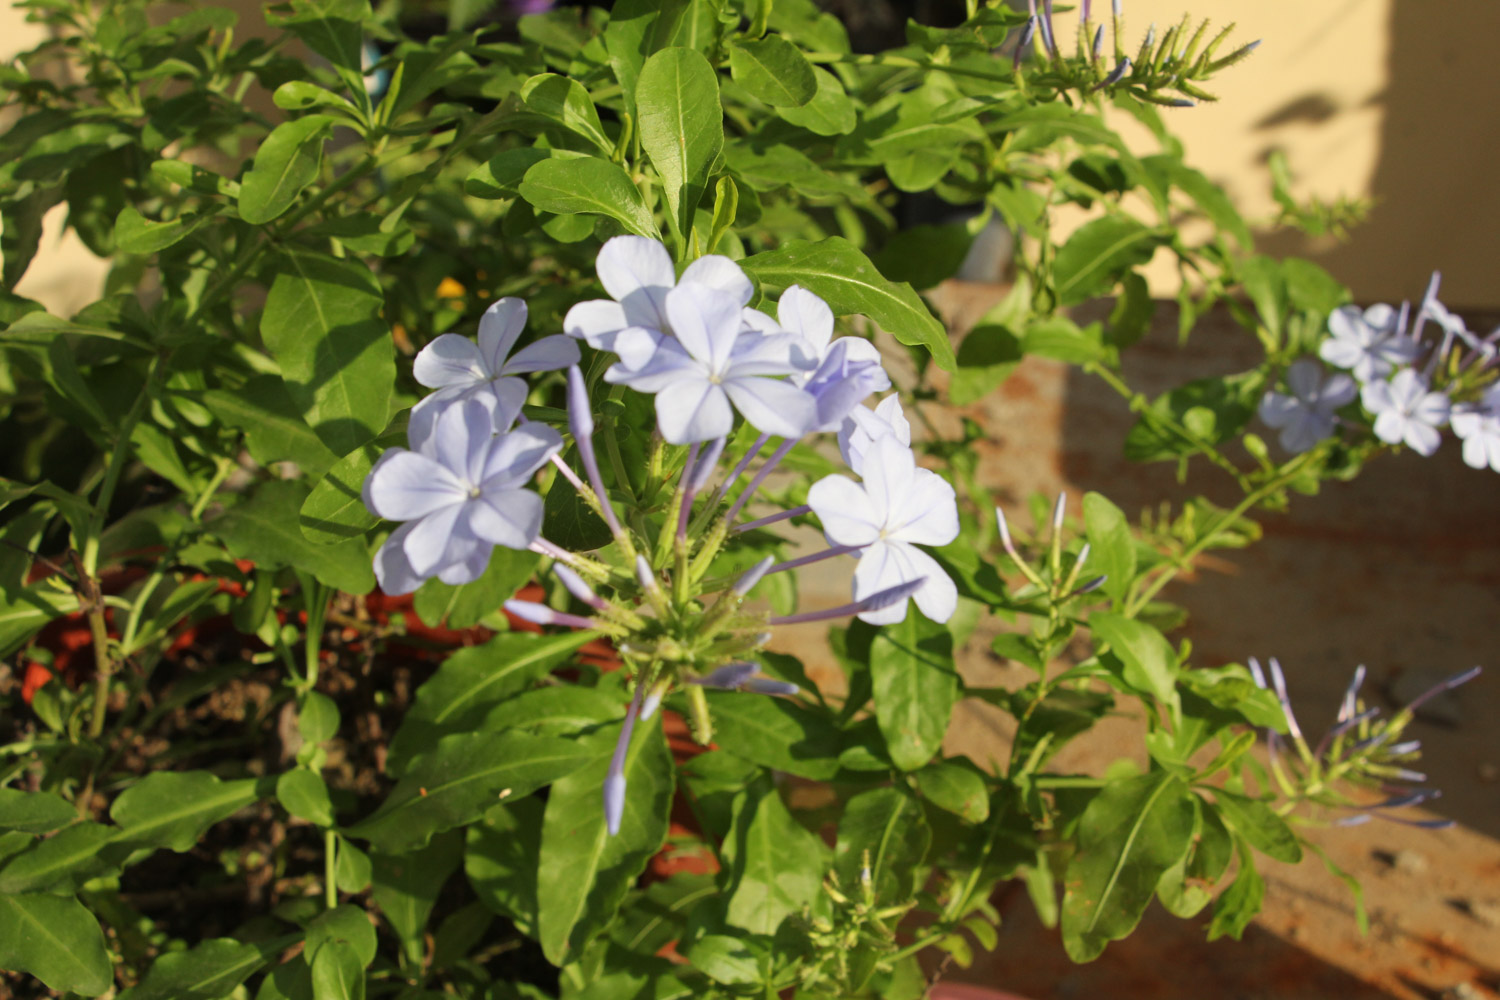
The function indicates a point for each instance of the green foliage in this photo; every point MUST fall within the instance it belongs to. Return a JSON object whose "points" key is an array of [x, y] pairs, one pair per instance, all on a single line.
{"points": [[290, 217]]}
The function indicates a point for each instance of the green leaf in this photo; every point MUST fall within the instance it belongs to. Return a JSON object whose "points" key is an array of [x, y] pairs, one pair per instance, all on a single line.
{"points": [[24, 612], [887, 825], [304, 794], [957, 786], [438, 603], [335, 509], [838, 272], [347, 924], [174, 809], [1259, 825], [406, 887], [1128, 836], [1210, 197], [587, 184], [775, 733], [830, 112], [1094, 256], [470, 682], [63, 861], [56, 940], [1150, 663], [322, 324], [134, 233], [583, 873], [681, 127], [352, 868], [500, 177], [924, 256], [1111, 545], [318, 718], [566, 102], [911, 665], [287, 161], [34, 812], [334, 29], [461, 779], [560, 710], [207, 971], [986, 357], [337, 973], [500, 858], [779, 862], [568, 521], [1238, 905], [273, 425], [264, 530], [773, 71]]}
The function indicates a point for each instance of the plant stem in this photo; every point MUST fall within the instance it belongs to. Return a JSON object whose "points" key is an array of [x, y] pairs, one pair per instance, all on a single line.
{"points": [[330, 869], [1288, 472]]}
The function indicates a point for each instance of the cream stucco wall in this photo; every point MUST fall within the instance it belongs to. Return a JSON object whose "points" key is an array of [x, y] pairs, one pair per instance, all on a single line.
{"points": [[1393, 100]]}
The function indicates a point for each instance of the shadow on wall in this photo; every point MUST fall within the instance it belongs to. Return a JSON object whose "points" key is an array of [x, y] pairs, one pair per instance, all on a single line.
{"points": [[1437, 204], [1398, 569]]}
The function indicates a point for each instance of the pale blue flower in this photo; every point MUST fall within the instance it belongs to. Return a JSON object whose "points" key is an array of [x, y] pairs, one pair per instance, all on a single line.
{"points": [[458, 368], [638, 273], [1406, 411], [715, 365], [1306, 416], [896, 507], [848, 369], [1370, 344], [1478, 426], [864, 426], [461, 493]]}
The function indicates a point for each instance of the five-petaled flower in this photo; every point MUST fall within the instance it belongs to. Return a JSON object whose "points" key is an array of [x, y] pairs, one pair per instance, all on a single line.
{"points": [[1478, 426], [1406, 411], [1371, 344], [458, 368], [713, 361], [1307, 415], [461, 492], [897, 507], [638, 274]]}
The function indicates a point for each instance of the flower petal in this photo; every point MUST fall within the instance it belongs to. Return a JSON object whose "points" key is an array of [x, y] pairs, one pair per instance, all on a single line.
{"points": [[514, 458], [772, 406], [511, 518], [597, 321], [1304, 378], [499, 328], [427, 542], [637, 273], [404, 486], [889, 472], [694, 409], [706, 321], [802, 312], [938, 598], [927, 513], [549, 354], [845, 511], [392, 569], [462, 435], [718, 271], [449, 360], [881, 567]]}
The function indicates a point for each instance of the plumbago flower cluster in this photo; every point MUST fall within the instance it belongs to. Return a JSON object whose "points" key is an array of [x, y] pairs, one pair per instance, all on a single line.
{"points": [[695, 345], [1412, 382], [1360, 748]]}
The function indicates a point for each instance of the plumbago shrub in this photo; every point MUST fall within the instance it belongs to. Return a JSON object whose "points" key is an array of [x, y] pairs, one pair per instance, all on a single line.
{"points": [[544, 305]]}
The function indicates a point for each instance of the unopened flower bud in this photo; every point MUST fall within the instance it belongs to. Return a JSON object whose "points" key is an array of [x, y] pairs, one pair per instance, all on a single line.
{"points": [[575, 586]]}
